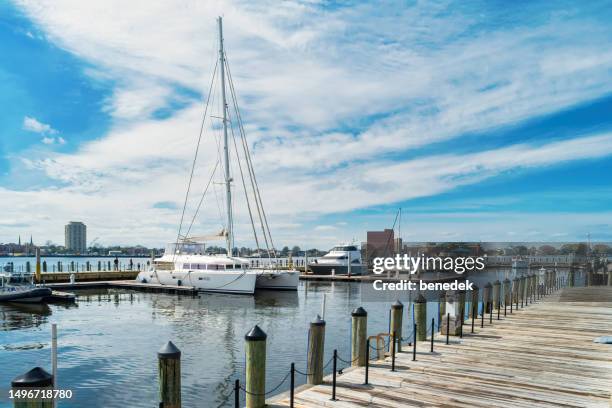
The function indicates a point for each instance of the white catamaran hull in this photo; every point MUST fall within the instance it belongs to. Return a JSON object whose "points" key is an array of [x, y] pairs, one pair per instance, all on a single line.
{"points": [[221, 281], [277, 280]]}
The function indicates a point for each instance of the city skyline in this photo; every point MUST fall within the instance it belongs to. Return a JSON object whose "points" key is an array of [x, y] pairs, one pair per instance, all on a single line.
{"points": [[480, 124]]}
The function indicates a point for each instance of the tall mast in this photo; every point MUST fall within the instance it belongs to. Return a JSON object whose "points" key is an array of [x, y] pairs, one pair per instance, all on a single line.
{"points": [[228, 191]]}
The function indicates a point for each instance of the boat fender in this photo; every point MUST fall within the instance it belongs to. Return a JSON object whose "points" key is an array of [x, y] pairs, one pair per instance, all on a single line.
{"points": [[179, 282]]}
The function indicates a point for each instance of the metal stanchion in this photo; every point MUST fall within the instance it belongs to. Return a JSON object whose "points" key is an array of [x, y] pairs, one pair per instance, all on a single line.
{"points": [[414, 343], [335, 366], [367, 362], [433, 329]]}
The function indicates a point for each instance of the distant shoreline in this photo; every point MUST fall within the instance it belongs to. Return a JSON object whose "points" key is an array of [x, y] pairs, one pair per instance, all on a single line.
{"points": [[76, 256]]}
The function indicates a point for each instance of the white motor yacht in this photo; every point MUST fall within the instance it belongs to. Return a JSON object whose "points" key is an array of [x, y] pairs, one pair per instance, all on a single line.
{"points": [[342, 259]]}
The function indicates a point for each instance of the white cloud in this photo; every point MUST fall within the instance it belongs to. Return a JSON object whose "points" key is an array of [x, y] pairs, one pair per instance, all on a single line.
{"points": [[325, 228], [33, 125], [53, 140], [326, 94]]}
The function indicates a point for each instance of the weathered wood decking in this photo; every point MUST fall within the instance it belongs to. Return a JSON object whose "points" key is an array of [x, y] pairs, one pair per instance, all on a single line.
{"points": [[540, 356]]}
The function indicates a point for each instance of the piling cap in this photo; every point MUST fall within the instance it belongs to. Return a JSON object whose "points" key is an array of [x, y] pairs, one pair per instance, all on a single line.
{"points": [[36, 377], [255, 334], [497, 283], [359, 312], [475, 287], [420, 299], [318, 321], [506, 281], [397, 305], [169, 350], [488, 285]]}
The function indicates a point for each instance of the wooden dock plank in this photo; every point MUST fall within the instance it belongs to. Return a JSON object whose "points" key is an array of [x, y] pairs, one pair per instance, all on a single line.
{"points": [[539, 356]]}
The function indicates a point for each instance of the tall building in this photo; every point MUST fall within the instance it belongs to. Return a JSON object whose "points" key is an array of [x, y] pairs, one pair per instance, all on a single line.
{"points": [[75, 235]]}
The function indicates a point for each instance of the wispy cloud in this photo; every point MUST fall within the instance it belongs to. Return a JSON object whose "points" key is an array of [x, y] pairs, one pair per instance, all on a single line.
{"points": [[33, 125], [336, 102]]}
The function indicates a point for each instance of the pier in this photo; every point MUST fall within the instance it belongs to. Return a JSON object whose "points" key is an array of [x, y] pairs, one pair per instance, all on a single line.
{"points": [[543, 355], [126, 285]]}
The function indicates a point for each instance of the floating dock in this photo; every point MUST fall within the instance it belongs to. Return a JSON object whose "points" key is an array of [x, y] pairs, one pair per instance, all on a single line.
{"points": [[539, 356], [125, 284]]}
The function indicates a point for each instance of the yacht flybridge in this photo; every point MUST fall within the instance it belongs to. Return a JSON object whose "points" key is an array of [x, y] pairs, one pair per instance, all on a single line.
{"points": [[185, 261]]}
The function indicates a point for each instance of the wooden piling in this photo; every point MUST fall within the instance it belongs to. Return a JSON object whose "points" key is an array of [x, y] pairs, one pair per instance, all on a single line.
{"points": [[474, 305], [397, 313], [442, 306], [486, 297], [35, 379], [358, 336], [461, 305], [507, 291], [572, 278], [515, 291], [255, 350], [496, 294], [169, 364], [609, 278], [38, 276], [420, 315], [316, 350]]}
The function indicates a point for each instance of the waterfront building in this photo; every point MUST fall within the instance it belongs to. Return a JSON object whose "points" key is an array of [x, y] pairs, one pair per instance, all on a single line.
{"points": [[379, 244], [75, 235]]}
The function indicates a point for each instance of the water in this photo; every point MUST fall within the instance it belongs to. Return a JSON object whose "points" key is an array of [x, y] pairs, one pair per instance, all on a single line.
{"points": [[108, 341]]}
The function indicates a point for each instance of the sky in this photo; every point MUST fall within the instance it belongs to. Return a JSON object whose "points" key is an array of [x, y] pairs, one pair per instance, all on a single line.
{"points": [[482, 120]]}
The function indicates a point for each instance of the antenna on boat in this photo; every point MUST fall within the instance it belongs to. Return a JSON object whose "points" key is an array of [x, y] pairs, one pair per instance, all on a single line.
{"points": [[228, 180]]}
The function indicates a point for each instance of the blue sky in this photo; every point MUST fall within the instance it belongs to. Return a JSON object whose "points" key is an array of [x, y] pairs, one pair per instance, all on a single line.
{"points": [[482, 120]]}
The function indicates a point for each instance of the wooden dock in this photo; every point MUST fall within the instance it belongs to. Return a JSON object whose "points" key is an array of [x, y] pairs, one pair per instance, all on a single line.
{"points": [[438, 277], [125, 284], [540, 356]]}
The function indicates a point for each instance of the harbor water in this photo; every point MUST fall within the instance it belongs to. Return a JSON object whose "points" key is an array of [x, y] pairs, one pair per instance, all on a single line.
{"points": [[108, 341]]}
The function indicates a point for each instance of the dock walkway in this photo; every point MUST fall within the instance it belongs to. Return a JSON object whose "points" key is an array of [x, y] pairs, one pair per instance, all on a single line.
{"points": [[540, 356], [125, 284]]}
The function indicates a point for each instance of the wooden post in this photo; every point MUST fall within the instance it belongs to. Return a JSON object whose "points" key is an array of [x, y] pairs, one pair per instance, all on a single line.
{"points": [[496, 294], [316, 349], [397, 313], [507, 291], [255, 367], [461, 305], [486, 297], [169, 363], [38, 379], [420, 315], [442, 308], [571, 278], [515, 290], [609, 278], [358, 336], [474, 305], [380, 347], [38, 276]]}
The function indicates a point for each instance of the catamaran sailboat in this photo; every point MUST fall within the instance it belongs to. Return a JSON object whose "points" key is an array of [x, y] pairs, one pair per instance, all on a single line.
{"points": [[185, 262]]}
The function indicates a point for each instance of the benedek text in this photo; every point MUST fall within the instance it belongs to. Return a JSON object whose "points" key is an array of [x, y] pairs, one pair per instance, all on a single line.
{"points": [[413, 285]]}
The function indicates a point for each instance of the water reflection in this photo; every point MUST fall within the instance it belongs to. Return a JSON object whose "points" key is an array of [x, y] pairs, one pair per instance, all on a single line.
{"points": [[15, 316]]}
